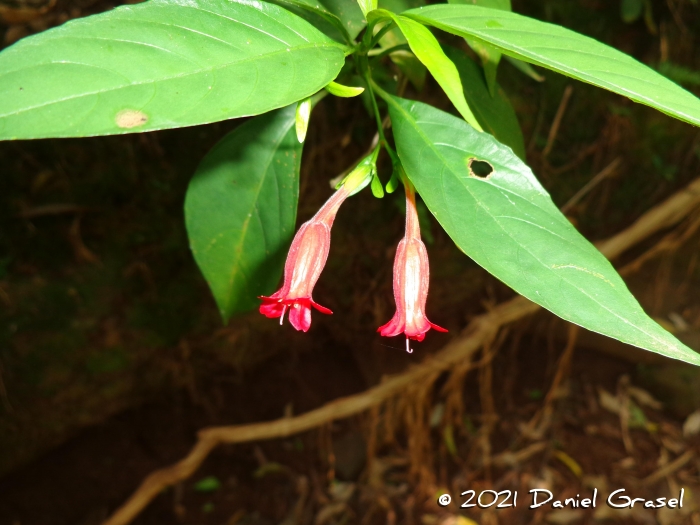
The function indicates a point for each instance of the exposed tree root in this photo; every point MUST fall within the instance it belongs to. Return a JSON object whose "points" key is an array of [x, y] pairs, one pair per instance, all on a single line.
{"points": [[459, 352]]}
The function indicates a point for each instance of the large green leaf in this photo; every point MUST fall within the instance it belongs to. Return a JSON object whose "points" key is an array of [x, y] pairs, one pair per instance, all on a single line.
{"points": [[494, 113], [161, 64], [566, 52], [508, 224], [241, 207]]}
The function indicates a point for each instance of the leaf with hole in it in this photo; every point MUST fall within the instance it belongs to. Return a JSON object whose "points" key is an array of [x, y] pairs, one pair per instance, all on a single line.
{"points": [[494, 113], [240, 209], [161, 64], [566, 52], [504, 219]]}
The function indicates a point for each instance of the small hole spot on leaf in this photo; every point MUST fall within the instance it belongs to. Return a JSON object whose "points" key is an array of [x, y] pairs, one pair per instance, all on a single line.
{"points": [[479, 168], [130, 118]]}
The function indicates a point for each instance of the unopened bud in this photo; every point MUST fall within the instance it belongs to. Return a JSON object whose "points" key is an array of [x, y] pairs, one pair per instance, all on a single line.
{"points": [[302, 118]]}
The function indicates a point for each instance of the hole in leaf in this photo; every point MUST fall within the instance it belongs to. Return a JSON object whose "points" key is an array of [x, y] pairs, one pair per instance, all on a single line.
{"points": [[479, 168]]}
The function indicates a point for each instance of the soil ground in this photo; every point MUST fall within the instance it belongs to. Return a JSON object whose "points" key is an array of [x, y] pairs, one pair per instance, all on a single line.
{"points": [[322, 476]]}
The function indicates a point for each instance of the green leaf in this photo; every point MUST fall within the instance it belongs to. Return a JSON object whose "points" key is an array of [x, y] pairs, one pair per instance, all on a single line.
{"points": [[525, 68], [345, 15], [349, 13], [339, 90], [489, 55], [240, 209], [508, 224], [426, 47], [208, 484], [376, 187], [495, 114], [504, 5], [303, 115], [398, 6], [407, 62], [161, 64], [566, 52], [367, 5], [631, 10], [679, 74]]}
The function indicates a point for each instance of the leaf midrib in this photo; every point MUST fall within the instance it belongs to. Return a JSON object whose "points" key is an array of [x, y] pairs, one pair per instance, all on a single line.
{"points": [[162, 79]]}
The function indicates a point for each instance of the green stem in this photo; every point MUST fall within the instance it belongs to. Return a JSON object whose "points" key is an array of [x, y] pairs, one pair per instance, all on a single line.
{"points": [[383, 52], [376, 38], [375, 87], [363, 65]]}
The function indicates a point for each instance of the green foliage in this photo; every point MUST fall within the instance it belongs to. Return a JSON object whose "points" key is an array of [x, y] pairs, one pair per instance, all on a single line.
{"points": [[342, 91], [344, 15], [426, 47], [680, 74], [508, 224], [241, 206], [208, 484], [566, 52], [490, 56], [407, 62], [161, 64], [367, 5], [494, 113], [631, 10]]}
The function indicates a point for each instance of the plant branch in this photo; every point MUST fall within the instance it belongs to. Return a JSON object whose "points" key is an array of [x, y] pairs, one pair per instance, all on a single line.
{"points": [[461, 349], [554, 130], [376, 38], [371, 86], [383, 52]]}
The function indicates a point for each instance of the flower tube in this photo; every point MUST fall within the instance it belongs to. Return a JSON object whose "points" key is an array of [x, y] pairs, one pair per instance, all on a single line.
{"points": [[305, 261], [411, 278], [308, 254]]}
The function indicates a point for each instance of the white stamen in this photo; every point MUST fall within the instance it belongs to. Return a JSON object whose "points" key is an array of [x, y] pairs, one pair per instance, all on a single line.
{"points": [[408, 348], [282, 316]]}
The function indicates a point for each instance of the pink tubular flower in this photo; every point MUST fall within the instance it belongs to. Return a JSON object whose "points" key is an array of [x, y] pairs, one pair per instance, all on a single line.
{"points": [[411, 276], [305, 261]]}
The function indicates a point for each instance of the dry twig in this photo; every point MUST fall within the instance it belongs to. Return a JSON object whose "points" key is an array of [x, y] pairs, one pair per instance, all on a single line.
{"points": [[670, 242], [603, 174], [481, 329], [538, 425], [554, 130], [669, 469]]}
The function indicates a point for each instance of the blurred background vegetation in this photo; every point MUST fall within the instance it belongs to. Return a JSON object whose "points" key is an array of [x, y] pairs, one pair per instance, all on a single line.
{"points": [[112, 353]]}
